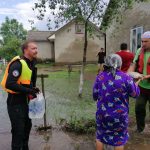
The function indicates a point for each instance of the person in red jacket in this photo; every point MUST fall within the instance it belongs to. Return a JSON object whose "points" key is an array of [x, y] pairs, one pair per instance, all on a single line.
{"points": [[127, 57]]}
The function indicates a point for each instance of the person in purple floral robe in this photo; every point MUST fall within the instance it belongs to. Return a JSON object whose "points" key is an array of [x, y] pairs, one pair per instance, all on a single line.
{"points": [[112, 90]]}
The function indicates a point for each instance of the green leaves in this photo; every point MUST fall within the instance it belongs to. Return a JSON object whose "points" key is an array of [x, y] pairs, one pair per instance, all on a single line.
{"points": [[12, 33], [12, 28], [65, 10], [10, 49], [114, 11]]}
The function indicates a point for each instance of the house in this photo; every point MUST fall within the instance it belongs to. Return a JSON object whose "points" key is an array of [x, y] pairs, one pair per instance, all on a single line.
{"points": [[66, 44], [135, 22]]}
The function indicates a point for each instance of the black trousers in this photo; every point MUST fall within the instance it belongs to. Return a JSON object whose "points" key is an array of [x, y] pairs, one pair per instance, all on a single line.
{"points": [[140, 110], [21, 126]]}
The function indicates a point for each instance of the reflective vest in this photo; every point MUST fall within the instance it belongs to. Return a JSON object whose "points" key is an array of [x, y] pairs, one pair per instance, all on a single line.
{"points": [[25, 77]]}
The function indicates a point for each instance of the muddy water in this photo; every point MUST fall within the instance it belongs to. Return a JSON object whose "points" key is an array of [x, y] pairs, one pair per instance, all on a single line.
{"points": [[56, 139]]}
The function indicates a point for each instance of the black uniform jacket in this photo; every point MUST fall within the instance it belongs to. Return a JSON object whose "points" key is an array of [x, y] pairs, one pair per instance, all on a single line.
{"points": [[23, 90]]}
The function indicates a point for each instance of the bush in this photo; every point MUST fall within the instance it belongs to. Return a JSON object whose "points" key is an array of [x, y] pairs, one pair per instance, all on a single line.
{"points": [[81, 126]]}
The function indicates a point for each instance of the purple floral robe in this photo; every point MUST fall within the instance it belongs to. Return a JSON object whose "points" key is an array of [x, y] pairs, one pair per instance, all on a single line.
{"points": [[112, 96]]}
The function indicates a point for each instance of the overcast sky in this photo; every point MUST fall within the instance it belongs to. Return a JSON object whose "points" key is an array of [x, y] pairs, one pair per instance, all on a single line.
{"points": [[22, 11]]}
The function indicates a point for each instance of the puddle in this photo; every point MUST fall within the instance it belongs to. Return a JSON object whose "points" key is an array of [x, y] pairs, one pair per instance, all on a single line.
{"points": [[56, 139]]}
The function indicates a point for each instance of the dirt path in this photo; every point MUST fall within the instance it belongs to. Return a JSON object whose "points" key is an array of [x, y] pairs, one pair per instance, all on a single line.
{"points": [[58, 140]]}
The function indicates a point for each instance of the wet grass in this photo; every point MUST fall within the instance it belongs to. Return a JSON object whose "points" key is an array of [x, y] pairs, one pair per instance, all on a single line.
{"points": [[63, 102], [80, 126], [62, 96], [44, 65]]}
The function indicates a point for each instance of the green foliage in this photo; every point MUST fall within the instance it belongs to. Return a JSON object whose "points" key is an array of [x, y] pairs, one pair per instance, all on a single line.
{"points": [[66, 10], [12, 33], [115, 11], [61, 93], [10, 49], [80, 126], [63, 11], [11, 28], [33, 28]]}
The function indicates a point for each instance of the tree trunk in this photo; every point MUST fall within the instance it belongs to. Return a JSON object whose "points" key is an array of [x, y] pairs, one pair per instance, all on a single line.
{"points": [[84, 61]]}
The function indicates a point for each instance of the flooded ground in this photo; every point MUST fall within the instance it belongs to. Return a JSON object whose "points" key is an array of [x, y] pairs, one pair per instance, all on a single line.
{"points": [[62, 107], [56, 139]]}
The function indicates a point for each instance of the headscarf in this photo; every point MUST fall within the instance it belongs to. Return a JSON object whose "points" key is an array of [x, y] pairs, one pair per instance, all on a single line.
{"points": [[112, 63], [146, 35]]}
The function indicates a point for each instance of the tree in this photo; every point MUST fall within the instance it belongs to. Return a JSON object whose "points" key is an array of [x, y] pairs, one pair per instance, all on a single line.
{"points": [[12, 34], [115, 11], [11, 28], [65, 10], [33, 28], [10, 49]]}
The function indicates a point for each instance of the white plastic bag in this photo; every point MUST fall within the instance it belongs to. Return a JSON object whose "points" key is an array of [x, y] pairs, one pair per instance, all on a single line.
{"points": [[37, 107], [135, 75]]}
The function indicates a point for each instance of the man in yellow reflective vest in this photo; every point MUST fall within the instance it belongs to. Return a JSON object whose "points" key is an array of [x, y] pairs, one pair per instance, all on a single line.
{"points": [[20, 82]]}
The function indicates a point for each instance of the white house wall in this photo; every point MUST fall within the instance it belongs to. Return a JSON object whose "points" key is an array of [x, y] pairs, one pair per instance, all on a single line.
{"points": [[44, 50], [69, 46]]}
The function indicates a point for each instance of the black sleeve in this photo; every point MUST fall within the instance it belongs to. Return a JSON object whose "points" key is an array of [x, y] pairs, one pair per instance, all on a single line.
{"points": [[13, 76], [34, 76]]}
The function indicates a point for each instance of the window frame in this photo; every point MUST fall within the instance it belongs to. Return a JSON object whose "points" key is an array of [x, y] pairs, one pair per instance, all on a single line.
{"points": [[135, 38], [76, 28]]}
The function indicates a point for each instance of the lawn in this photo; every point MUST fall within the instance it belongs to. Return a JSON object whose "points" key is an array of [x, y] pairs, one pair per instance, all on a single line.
{"points": [[62, 95]]}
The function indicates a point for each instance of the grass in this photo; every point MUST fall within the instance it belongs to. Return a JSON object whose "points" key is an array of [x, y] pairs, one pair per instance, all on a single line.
{"points": [[45, 65], [81, 126], [63, 102], [91, 69], [62, 96]]}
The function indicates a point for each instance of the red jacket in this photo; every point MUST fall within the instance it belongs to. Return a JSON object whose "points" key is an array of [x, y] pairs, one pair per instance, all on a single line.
{"points": [[127, 59]]}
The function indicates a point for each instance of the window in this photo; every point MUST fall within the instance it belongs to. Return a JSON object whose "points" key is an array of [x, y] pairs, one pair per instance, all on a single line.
{"points": [[135, 38], [79, 28]]}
